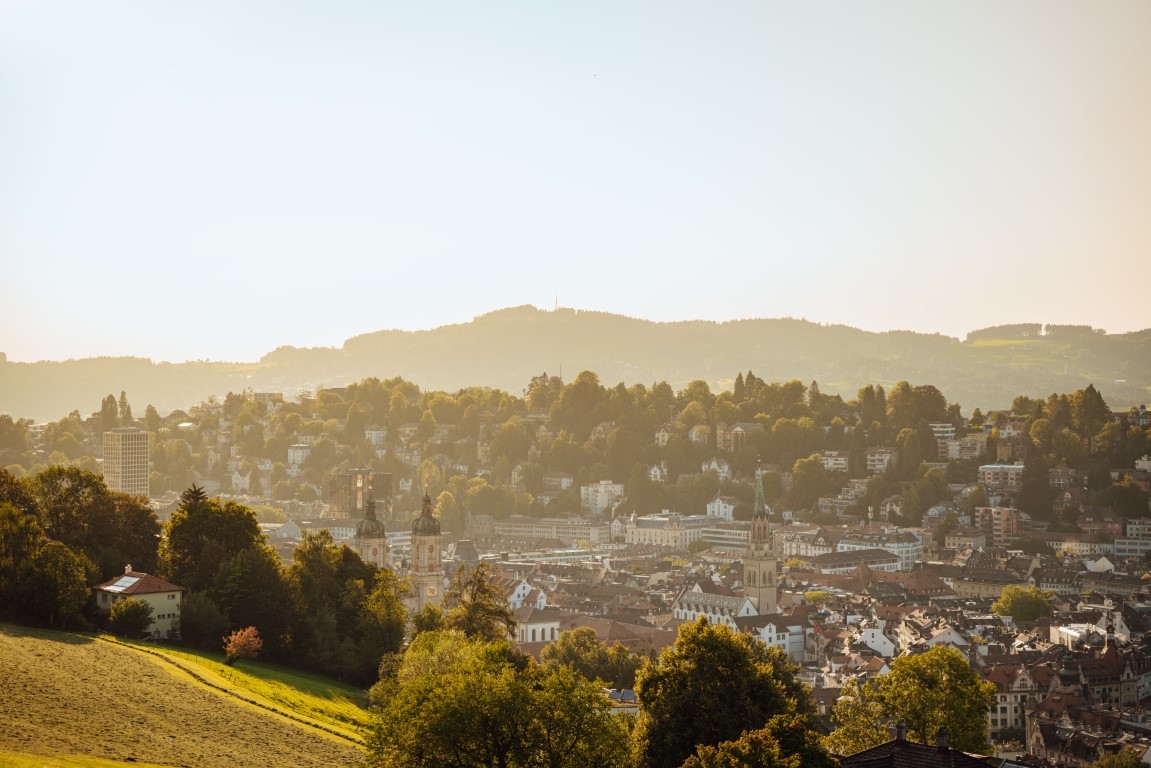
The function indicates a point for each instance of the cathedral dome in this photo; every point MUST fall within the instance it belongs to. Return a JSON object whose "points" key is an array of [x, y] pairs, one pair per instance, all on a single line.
{"points": [[425, 524], [370, 527]]}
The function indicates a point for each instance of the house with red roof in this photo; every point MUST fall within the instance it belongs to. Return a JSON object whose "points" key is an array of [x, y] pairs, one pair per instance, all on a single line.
{"points": [[165, 598]]}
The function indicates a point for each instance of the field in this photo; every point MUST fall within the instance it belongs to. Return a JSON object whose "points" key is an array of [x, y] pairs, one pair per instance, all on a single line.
{"points": [[75, 701], [317, 699]]}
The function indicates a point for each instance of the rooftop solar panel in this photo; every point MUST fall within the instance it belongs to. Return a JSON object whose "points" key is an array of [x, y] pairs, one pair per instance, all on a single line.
{"points": [[123, 583]]}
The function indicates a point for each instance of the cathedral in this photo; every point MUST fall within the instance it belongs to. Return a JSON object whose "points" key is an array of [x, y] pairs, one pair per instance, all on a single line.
{"points": [[371, 536], [427, 568]]}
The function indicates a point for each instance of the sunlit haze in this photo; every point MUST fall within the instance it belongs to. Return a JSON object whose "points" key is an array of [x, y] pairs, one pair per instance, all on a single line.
{"points": [[213, 180]]}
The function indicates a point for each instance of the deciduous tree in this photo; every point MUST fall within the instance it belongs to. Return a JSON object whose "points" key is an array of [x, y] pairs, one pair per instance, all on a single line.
{"points": [[130, 618], [709, 687], [477, 607], [472, 704], [1023, 604], [938, 688], [242, 644]]}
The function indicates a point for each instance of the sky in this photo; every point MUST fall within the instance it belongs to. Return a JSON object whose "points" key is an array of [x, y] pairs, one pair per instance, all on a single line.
{"points": [[212, 180]]}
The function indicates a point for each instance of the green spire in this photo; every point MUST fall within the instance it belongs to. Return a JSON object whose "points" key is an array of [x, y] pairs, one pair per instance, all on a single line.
{"points": [[760, 504]]}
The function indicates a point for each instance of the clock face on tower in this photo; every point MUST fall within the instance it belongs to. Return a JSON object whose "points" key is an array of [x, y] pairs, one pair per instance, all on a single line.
{"points": [[432, 590]]}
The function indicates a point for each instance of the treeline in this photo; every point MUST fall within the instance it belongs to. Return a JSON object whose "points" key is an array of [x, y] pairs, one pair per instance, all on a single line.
{"points": [[590, 432], [62, 533], [454, 698]]}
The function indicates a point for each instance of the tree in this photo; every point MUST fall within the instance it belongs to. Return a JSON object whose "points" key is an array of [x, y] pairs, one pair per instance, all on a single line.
{"points": [[251, 589], [74, 507], [20, 540], [469, 703], [202, 623], [786, 742], [130, 618], [709, 687], [109, 414], [860, 718], [810, 479], [1127, 499], [242, 644], [584, 652], [56, 586], [380, 623], [1128, 758], [1023, 604], [477, 607], [202, 534], [124, 410], [934, 689], [429, 619]]}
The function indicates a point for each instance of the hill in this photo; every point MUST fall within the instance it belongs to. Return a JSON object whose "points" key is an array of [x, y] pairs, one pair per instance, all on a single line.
{"points": [[504, 349], [76, 696]]}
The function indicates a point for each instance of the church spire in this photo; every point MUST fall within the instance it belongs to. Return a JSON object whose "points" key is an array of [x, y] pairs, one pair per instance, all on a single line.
{"points": [[760, 504]]}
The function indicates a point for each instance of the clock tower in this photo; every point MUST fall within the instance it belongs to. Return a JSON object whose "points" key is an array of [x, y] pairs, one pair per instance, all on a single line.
{"points": [[427, 566], [760, 566]]}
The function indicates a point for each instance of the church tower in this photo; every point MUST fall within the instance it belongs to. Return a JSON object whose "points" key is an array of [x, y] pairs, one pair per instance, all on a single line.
{"points": [[760, 567], [371, 536], [427, 570]]}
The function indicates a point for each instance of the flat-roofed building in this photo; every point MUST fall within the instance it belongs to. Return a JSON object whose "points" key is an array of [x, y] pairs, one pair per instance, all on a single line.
{"points": [[126, 460]]}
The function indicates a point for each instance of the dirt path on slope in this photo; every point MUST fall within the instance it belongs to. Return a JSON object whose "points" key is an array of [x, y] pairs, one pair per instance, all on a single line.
{"points": [[69, 694]]}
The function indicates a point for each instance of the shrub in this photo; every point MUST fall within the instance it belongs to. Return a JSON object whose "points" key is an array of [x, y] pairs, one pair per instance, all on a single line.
{"points": [[130, 618], [242, 644]]}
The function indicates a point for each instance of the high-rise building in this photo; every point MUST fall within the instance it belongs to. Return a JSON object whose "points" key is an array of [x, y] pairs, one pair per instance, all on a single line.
{"points": [[126, 451], [348, 492]]}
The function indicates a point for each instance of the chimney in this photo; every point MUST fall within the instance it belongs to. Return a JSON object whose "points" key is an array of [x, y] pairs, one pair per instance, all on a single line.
{"points": [[128, 568], [941, 738], [900, 730]]}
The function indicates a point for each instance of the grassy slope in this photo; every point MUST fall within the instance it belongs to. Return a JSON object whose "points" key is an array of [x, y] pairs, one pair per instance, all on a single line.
{"points": [[86, 703], [336, 705]]}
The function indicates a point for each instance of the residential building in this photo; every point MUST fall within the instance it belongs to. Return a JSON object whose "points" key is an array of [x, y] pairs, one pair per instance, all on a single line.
{"points": [[722, 507], [732, 437], [164, 597], [720, 467], [1002, 524], [906, 546], [836, 461], [1001, 475], [126, 460], [602, 495], [966, 538], [879, 459]]}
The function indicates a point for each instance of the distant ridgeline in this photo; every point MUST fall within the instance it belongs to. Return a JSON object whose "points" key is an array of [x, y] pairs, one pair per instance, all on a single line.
{"points": [[504, 349], [1034, 331]]}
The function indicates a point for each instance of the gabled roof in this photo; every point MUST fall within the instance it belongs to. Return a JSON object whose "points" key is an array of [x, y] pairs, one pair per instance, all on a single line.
{"points": [[137, 583], [899, 753]]}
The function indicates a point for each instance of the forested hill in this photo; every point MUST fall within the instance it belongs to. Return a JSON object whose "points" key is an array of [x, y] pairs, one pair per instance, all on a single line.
{"points": [[504, 349]]}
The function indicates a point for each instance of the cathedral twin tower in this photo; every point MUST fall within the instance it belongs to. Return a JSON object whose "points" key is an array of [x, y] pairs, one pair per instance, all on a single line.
{"points": [[426, 569]]}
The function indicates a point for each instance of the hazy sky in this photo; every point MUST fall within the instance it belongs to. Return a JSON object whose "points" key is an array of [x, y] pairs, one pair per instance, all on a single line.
{"points": [[216, 179]]}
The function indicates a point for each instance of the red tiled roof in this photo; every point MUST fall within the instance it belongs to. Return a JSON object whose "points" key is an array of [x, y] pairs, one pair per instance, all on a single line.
{"points": [[144, 584]]}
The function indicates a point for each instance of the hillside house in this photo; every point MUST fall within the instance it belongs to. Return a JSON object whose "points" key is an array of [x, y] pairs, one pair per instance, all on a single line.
{"points": [[165, 599]]}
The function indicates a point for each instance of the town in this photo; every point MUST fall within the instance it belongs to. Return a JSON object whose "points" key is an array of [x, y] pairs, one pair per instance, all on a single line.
{"points": [[847, 534]]}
